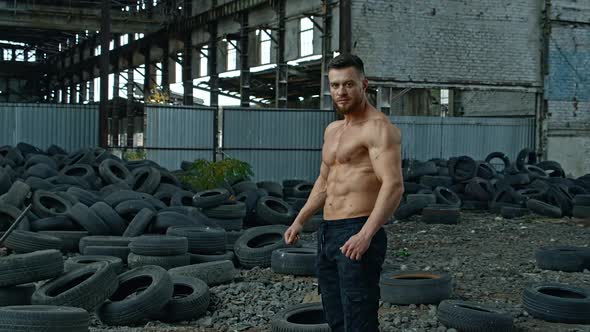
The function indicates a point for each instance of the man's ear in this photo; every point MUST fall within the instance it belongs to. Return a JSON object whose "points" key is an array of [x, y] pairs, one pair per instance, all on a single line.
{"points": [[365, 84]]}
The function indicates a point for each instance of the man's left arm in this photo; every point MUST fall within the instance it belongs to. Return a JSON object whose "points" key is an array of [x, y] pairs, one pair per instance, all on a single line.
{"points": [[384, 145]]}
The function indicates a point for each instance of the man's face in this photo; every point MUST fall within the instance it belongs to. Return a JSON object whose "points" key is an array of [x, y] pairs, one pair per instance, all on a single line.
{"points": [[347, 89]]}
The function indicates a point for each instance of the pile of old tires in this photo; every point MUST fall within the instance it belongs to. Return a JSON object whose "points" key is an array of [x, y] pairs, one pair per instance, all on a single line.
{"points": [[439, 189], [139, 230]]}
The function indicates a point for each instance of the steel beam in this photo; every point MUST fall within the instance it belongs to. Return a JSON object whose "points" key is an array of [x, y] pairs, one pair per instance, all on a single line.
{"points": [[325, 97], [105, 38], [244, 65], [345, 27], [282, 69], [60, 18], [130, 96], [212, 65]]}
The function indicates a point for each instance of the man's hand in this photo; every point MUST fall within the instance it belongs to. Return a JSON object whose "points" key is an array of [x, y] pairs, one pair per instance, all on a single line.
{"points": [[292, 233], [356, 246]]}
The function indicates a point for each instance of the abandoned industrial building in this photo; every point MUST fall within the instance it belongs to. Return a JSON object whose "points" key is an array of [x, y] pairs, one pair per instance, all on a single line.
{"points": [[170, 148]]}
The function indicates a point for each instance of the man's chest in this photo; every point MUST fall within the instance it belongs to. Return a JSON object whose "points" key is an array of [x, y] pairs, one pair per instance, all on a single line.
{"points": [[345, 146]]}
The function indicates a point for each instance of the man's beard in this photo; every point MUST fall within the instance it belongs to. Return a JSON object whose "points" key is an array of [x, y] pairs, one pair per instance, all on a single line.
{"points": [[355, 106]]}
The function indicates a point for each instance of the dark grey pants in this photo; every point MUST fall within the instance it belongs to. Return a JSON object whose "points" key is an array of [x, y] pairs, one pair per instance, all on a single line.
{"points": [[349, 289]]}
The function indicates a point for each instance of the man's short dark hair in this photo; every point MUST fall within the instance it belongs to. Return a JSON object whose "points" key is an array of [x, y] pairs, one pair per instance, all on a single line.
{"points": [[347, 60]]}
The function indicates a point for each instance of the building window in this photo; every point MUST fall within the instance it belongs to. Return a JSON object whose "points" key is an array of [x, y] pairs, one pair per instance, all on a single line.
{"points": [[444, 96], [7, 55], [124, 39], [31, 57], [97, 50], [305, 36], [231, 57], [20, 55], [265, 46], [203, 61]]}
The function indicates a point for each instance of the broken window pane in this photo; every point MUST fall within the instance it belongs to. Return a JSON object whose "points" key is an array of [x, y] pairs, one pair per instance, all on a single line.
{"points": [[306, 37]]}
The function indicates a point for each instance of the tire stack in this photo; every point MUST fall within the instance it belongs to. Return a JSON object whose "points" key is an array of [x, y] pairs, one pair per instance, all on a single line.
{"points": [[513, 190], [166, 251], [228, 213], [205, 244]]}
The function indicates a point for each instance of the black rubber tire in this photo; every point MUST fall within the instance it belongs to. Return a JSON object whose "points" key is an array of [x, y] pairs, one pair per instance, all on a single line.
{"points": [[426, 198], [485, 170], [86, 287], [229, 224], [272, 210], [255, 246], [159, 245], [25, 241], [76, 262], [213, 273], [473, 317], [88, 220], [54, 223], [462, 168], [560, 303], [499, 155], [413, 188], [522, 195], [305, 317], [441, 214], [182, 198], [581, 211], [209, 198], [35, 266], [202, 258], [562, 258], [123, 309], [525, 156], [434, 181], [166, 219], [229, 209], [408, 209], [201, 239], [84, 196], [243, 186], [274, 189], [164, 195], [16, 195], [189, 301], [44, 318], [70, 239], [102, 240], [479, 189], [42, 171], [40, 159], [82, 171], [111, 219], [146, 179], [8, 214], [535, 172], [82, 156], [166, 262], [294, 261], [16, 295], [446, 196], [543, 209], [509, 212], [47, 204], [474, 205], [558, 195], [302, 190], [552, 168], [140, 223], [415, 287], [128, 210], [116, 251]]}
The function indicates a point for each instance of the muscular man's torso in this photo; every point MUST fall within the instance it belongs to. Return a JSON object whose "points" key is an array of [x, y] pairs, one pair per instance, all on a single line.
{"points": [[352, 186]]}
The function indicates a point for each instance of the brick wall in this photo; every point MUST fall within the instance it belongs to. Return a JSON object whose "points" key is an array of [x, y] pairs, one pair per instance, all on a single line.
{"points": [[494, 42], [494, 103]]}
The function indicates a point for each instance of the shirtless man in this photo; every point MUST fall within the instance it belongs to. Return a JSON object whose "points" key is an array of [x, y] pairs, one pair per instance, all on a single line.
{"points": [[359, 187]]}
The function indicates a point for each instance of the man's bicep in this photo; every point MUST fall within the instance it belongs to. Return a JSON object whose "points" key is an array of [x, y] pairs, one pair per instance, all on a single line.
{"points": [[385, 153]]}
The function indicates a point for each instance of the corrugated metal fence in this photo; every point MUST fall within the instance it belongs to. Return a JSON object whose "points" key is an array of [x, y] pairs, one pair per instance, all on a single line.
{"points": [[70, 126], [286, 143], [277, 143], [443, 137], [178, 133]]}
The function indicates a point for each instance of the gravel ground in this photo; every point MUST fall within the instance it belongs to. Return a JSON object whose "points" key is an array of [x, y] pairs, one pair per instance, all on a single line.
{"points": [[490, 259]]}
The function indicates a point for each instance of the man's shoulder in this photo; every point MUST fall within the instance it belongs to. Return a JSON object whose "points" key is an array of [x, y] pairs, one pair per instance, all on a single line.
{"points": [[334, 124]]}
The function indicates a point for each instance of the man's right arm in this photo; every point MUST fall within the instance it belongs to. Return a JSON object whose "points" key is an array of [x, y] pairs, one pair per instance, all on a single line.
{"points": [[317, 197]]}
